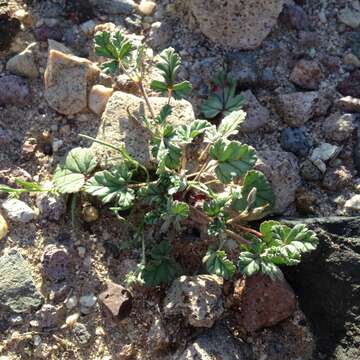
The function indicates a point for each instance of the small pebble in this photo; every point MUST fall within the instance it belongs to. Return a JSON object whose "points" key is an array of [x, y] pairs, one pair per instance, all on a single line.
{"points": [[147, 8], [71, 302], [18, 211]]}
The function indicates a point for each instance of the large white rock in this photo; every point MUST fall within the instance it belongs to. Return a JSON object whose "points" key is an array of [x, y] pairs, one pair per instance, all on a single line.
{"points": [[117, 127], [242, 24]]}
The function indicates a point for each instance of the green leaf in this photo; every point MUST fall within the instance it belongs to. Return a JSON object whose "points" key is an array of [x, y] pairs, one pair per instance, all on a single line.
{"points": [[249, 263], [234, 159], [215, 207], [179, 210], [177, 184], [223, 98], [216, 226], [159, 86], [111, 186], [109, 67], [266, 230], [162, 268], [165, 112], [217, 263], [264, 193], [185, 134], [70, 176], [181, 90]]}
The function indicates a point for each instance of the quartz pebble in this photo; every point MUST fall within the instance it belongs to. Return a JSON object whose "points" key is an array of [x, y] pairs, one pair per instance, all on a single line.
{"points": [[18, 211], [147, 8], [98, 98]]}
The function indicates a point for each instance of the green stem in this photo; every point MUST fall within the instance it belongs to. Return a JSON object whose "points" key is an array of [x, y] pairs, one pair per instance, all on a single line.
{"points": [[73, 204]]}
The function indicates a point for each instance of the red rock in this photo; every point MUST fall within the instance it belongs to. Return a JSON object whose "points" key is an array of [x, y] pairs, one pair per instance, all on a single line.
{"points": [[117, 300], [262, 302], [306, 74]]}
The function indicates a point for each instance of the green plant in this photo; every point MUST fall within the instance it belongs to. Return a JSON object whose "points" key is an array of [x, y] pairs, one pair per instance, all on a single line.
{"points": [[170, 193]]}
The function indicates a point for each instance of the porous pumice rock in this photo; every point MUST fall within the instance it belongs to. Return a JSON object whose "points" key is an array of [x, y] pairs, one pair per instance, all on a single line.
{"points": [[98, 98], [118, 127], [68, 79], [242, 24], [198, 298], [23, 64]]}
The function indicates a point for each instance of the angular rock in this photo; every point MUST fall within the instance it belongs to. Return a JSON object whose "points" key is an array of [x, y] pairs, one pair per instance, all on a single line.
{"points": [[117, 300], [217, 343], [147, 8], [242, 24], [9, 26], [55, 262], [50, 316], [325, 152], [353, 203], [117, 127], [297, 108], [327, 282], [87, 301], [350, 17], [262, 302], [17, 288], [14, 90], [310, 172], [114, 7], [45, 33], [23, 64], [158, 336], [282, 170], [81, 334], [17, 210], [198, 298], [98, 98], [349, 104], [296, 140], [257, 115], [67, 79], [51, 206], [351, 85], [337, 178], [306, 74], [295, 17], [339, 127], [3, 227]]}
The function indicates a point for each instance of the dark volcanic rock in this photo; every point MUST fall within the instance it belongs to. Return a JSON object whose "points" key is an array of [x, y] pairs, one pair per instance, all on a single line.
{"points": [[9, 26], [296, 140], [14, 90], [328, 285]]}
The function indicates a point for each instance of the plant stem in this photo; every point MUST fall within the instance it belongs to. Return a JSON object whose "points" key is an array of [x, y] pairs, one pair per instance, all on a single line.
{"points": [[205, 152], [146, 98], [236, 237], [248, 230]]}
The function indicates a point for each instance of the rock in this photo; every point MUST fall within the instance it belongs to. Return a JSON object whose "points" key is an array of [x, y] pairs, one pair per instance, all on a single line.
{"points": [[296, 140], [242, 24], [352, 60], [114, 7], [98, 98], [327, 282], [325, 152], [3, 227], [356, 153], [147, 8], [23, 64], [82, 10], [216, 343], [87, 301], [353, 203], [44, 33], [14, 90], [17, 287], [50, 316], [81, 334], [117, 300], [306, 74], [158, 337], [55, 262], [349, 17], [305, 201], [351, 85], [9, 26], [58, 292], [198, 298], [297, 108], [160, 35], [282, 170], [257, 115], [310, 172], [17, 210], [58, 46], [51, 206], [339, 127], [88, 27], [349, 104], [295, 17], [117, 127], [262, 302], [28, 148], [67, 79], [337, 178], [71, 302]]}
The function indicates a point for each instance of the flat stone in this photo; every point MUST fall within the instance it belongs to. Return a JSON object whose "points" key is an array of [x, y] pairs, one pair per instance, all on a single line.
{"points": [[282, 170], [17, 288], [262, 302], [349, 104], [114, 7], [325, 152], [67, 79], [242, 24], [17, 210], [198, 298], [117, 300], [339, 127], [257, 116], [116, 127], [306, 74], [14, 90], [23, 64]]}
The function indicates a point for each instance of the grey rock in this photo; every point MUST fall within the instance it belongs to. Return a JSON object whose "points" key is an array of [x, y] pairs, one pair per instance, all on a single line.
{"points": [[337, 178], [327, 282], [14, 90], [55, 262], [306, 74], [310, 172], [17, 288], [160, 35], [198, 298], [295, 17], [350, 17], [44, 33], [50, 316], [116, 127], [349, 104], [325, 152], [9, 26], [339, 127], [242, 24], [217, 343], [296, 140], [81, 334], [23, 64], [114, 7], [51, 206], [282, 170], [17, 210]]}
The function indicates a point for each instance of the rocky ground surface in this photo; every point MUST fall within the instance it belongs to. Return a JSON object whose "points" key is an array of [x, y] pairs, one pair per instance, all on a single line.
{"points": [[297, 63]]}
